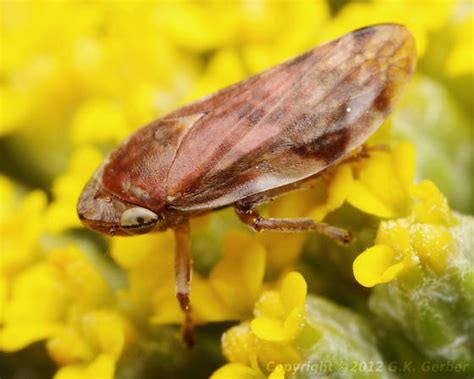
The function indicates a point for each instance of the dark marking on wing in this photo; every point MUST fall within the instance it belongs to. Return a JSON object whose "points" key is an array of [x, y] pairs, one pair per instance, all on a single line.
{"points": [[382, 101], [327, 147]]}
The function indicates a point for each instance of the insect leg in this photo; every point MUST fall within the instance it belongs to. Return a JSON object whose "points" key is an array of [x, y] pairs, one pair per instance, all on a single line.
{"points": [[251, 217], [183, 280]]}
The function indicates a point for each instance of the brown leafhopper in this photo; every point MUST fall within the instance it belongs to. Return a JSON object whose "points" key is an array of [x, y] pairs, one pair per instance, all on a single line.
{"points": [[251, 142]]}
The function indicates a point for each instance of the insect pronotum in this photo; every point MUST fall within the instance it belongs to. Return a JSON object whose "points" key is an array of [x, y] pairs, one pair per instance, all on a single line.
{"points": [[249, 143]]}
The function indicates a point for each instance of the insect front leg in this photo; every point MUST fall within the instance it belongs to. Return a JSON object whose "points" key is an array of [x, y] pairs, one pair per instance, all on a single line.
{"points": [[251, 217], [183, 279]]}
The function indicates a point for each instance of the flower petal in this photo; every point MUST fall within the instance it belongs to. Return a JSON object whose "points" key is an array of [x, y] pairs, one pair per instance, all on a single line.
{"points": [[404, 163], [379, 176], [340, 187], [106, 330], [19, 335], [361, 198], [376, 265], [269, 329], [36, 288], [278, 373], [238, 277], [208, 305], [395, 233], [283, 248], [239, 344], [102, 367], [293, 291], [68, 346], [319, 212], [269, 305], [236, 371], [295, 322], [433, 208], [431, 243]]}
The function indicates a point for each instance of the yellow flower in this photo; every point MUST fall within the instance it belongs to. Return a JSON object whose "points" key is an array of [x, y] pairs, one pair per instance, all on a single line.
{"points": [[337, 191], [379, 184], [421, 239], [35, 288], [92, 348], [227, 294], [19, 244], [20, 227], [149, 263], [280, 315], [433, 207], [240, 371], [61, 213], [234, 283], [68, 296], [78, 76], [48, 287], [102, 367], [79, 278], [61, 288], [257, 349], [383, 181]]}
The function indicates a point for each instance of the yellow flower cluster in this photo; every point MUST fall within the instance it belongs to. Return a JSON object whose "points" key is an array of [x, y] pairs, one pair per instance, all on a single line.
{"points": [[382, 185], [62, 294], [259, 348], [228, 293], [375, 181], [422, 238], [55, 293], [76, 300], [77, 77]]}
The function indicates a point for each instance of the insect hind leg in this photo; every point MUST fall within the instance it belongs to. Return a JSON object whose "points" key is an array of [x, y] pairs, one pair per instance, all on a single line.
{"points": [[251, 217]]}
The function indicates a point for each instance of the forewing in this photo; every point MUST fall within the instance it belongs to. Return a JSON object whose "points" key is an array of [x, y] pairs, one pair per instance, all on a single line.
{"points": [[136, 170], [292, 121]]}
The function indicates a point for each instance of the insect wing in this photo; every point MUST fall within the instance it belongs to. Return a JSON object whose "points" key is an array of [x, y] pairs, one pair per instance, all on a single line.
{"points": [[292, 121], [136, 170]]}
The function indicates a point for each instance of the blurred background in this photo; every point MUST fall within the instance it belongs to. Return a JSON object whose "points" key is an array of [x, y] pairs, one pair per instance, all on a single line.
{"points": [[76, 77]]}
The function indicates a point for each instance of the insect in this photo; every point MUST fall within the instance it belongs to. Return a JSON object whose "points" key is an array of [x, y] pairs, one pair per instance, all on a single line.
{"points": [[250, 142]]}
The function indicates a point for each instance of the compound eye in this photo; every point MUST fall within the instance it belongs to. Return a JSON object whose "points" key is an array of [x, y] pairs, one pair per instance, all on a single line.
{"points": [[138, 220]]}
